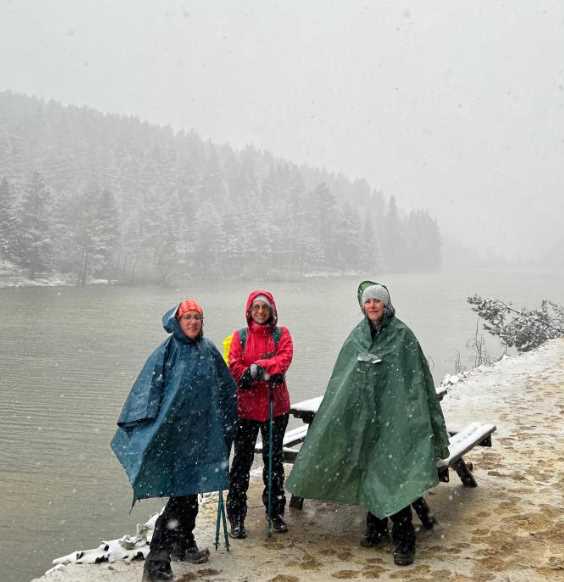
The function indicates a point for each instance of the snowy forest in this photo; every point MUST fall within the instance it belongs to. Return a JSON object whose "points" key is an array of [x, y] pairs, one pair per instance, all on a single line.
{"points": [[97, 196]]}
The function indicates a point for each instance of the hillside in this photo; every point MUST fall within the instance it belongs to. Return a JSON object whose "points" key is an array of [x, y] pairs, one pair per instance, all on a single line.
{"points": [[93, 195]]}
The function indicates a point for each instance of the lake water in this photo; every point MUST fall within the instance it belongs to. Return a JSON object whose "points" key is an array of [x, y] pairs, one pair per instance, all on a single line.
{"points": [[68, 357]]}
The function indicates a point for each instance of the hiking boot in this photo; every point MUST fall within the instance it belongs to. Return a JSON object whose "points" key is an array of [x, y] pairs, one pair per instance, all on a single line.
{"points": [[374, 539], [238, 530], [278, 524], [376, 532], [195, 555], [157, 567], [429, 521], [184, 550], [404, 553]]}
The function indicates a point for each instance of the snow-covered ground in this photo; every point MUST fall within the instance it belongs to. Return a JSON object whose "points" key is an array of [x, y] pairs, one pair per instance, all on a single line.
{"points": [[12, 276], [510, 528]]}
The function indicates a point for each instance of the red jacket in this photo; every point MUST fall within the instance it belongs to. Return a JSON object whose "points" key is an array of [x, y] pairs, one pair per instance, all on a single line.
{"points": [[260, 349]]}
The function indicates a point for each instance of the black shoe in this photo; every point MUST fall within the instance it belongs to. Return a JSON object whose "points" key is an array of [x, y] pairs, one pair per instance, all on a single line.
{"points": [[423, 511], [196, 556], [374, 539], [404, 553], [429, 521], [157, 567], [183, 551], [238, 530], [278, 524]]}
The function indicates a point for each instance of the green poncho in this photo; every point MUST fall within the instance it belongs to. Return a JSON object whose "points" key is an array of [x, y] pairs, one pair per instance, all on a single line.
{"points": [[379, 431]]}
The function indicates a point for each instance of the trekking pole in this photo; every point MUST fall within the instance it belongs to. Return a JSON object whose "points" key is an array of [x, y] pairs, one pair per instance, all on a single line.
{"points": [[270, 414], [218, 520], [224, 520], [221, 520]]}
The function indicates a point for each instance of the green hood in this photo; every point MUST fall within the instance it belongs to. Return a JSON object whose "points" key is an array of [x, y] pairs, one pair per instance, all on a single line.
{"points": [[379, 431]]}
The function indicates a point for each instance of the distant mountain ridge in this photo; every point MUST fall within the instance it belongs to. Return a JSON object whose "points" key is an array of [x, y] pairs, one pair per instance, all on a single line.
{"points": [[101, 195]]}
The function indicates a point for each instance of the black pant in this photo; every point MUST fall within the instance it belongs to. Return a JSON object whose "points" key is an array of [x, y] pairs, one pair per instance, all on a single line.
{"points": [[245, 441], [175, 524], [402, 526]]}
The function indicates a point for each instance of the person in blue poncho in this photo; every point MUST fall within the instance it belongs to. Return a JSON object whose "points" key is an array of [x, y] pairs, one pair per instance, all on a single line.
{"points": [[175, 433]]}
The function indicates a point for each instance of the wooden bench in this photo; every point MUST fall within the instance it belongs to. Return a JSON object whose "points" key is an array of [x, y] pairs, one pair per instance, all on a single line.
{"points": [[459, 443]]}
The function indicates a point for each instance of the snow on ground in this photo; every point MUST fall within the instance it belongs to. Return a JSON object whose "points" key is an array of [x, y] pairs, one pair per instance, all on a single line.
{"points": [[12, 276], [19, 279], [510, 528]]}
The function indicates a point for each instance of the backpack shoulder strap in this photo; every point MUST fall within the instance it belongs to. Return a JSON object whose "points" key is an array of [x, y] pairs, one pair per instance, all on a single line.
{"points": [[243, 337], [276, 333]]}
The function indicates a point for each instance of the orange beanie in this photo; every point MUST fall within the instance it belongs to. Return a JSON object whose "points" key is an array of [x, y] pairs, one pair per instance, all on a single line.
{"points": [[188, 305]]}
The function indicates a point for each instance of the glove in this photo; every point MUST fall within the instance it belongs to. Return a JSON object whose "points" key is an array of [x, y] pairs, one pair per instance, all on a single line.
{"points": [[252, 374], [277, 378], [257, 372], [246, 379]]}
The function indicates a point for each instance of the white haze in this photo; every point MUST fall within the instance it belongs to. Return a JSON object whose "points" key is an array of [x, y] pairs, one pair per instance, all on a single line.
{"points": [[457, 107]]}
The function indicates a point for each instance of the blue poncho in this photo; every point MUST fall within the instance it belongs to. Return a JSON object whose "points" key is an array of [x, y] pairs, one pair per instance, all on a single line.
{"points": [[176, 426]]}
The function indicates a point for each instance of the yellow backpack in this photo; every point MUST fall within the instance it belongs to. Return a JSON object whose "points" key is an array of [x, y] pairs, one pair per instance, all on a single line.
{"points": [[243, 337]]}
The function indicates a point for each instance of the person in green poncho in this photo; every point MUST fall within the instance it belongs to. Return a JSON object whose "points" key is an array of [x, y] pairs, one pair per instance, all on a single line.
{"points": [[379, 430]]}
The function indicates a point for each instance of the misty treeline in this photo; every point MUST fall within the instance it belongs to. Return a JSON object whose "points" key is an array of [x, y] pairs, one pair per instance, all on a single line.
{"points": [[92, 195]]}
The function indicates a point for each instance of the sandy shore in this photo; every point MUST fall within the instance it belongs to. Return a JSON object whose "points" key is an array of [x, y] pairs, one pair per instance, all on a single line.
{"points": [[510, 528]]}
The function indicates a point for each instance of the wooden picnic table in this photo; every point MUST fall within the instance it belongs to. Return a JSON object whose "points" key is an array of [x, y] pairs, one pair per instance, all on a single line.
{"points": [[461, 441]]}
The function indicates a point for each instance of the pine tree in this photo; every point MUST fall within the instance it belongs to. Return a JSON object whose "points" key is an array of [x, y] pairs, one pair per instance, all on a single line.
{"points": [[324, 221], [84, 258], [9, 248], [523, 328], [107, 232], [347, 239], [86, 234], [152, 231], [35, 229], [166, 255]]}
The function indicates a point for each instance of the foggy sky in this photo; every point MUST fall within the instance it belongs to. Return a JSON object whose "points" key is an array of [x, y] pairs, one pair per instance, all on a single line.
{"points": [[457, 107]]}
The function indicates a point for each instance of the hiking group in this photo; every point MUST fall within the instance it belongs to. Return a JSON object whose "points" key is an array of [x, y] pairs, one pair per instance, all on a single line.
{"points": [[374, 441]]}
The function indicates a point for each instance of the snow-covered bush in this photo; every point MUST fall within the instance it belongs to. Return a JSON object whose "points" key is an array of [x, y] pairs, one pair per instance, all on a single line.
{"points": [[525, 329]]}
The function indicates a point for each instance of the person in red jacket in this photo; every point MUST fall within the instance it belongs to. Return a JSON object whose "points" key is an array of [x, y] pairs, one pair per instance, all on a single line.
{"points": [[259, 354]]}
